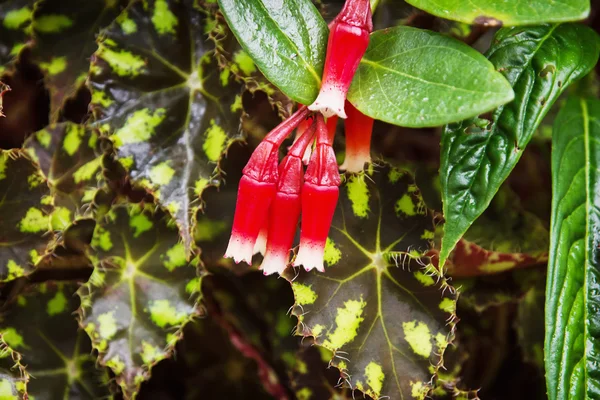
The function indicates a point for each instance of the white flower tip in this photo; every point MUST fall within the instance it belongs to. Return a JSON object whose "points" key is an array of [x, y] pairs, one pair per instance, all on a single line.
{"points": [[330, 102], [355, 164], [311, 257], [273, 263], [260, 247], [239, 250]]}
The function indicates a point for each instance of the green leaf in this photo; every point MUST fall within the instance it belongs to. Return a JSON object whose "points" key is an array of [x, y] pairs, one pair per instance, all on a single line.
{"points": [[157, 92], [478, 154], [417, 78], [41, 326], [24, 215], [287, 39], [379, 307], [572, 327], [508, 13], [70, 159], [65, 38], [141, 294], [13, 376], [15, 20]]}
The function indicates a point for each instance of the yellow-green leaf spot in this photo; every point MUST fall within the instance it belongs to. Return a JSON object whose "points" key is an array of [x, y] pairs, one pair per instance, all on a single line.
{"points": [[304, 394], [92, 140], [101, 239], [73, 138], [208, 230], [394, 175], [163, 19], [237, 104], [317, 330], [14, 270], [34, 256], [193, 286], [34, 180], [139, 127], [55, 66], [61, 218], [347, 321], [175, 257], [6, 391], [418, 336], [86, 171], [101, 98], [244, 61], [126, 162], [200, 185], [57, 305], [332, 254], [13, 338], [303, 294], [150, 354], [122, 62], [44, 138], [34, 221], [140, 223], [107, 325], [16, 49], [448, 305], [161, 174], [14, 19], [116, 365], [418, 390], [163, 314], [375, 376], [441, 341], [128, 26], [428, 235], [52, 23], [358, 193], [215, 141], [174, 207], [425, 279], [405, 206], [3, 161]]}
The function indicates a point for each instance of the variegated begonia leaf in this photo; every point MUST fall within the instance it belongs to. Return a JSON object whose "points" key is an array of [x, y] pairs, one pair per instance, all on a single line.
{"points": [[69, 157], [13, 376], [15, 21], [24, 215], [381, 307], [141, 293], [157, 90], [64, 40], [41, 326]]}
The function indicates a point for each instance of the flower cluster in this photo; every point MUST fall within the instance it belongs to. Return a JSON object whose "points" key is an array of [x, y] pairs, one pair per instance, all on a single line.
{"points": [[273, 196]]}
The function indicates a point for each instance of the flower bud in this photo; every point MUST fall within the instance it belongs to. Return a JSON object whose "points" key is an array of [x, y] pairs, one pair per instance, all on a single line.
{"points": [[320, 194], [358, 128], [257, 189], [347, 43]]}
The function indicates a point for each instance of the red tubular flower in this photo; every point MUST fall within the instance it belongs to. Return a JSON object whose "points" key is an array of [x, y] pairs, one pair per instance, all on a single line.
{"points": [[257, 189], [348, 41], [320, 194], [358, 128], [285, 210]]}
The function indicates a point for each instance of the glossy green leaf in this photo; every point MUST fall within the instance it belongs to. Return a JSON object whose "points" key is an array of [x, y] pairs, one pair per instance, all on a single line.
{"points": [[13, 376], [141, 294], [40, 325], [384, 312], [572, 304], [24, 215], [157, 93], [417, 78], [287, 40], [478, 154], [65, 37], [15, 20], [70, 159], [508, 13]]}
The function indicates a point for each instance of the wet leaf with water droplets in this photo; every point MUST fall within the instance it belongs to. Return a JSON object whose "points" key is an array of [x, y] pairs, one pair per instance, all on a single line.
{"points": [[380, 306], [417, 78]]}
